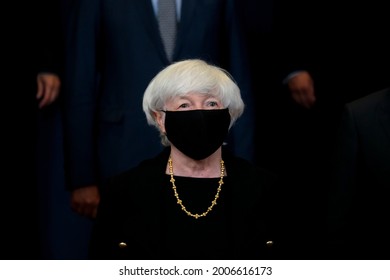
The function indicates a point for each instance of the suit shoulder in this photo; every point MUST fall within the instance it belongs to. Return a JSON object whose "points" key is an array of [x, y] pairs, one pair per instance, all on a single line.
{"points": [[369, 102]]}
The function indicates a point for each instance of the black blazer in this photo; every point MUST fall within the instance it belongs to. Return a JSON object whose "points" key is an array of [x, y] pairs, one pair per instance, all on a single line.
{"points": [[129, 212], [114, 49], [359, 209]]}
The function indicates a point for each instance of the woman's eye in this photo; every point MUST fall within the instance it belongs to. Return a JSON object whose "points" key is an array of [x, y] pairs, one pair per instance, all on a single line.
{"points": [[185, 105], [212, 103]]}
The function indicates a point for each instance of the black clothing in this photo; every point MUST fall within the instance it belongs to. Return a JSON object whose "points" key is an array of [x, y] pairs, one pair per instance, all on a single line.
{"points": [[138, 208]]}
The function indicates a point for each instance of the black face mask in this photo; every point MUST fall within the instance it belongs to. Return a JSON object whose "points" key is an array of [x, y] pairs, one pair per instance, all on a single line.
{"points": [[197, 133]]}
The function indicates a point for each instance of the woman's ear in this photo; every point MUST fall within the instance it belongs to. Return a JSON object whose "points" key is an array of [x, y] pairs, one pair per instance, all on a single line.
{"points": [[160, 119]]}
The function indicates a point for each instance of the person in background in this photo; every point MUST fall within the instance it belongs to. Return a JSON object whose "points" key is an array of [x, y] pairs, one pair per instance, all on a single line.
{"points": [[64, 233], [312, 74], [114, 48], [286, 111], [32, 83], [359, 189], [195, 199]]}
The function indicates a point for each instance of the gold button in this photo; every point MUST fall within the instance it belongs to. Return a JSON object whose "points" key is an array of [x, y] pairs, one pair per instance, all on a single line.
{"points": [[122, 245], [269, 243]]}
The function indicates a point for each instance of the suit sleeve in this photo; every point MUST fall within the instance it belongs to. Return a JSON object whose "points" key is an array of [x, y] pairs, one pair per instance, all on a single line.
{"points": [[80, 93], [242, 133]]}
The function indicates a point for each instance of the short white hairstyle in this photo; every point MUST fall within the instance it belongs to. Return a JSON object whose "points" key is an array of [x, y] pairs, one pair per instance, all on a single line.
{"points": [[192, 76]]}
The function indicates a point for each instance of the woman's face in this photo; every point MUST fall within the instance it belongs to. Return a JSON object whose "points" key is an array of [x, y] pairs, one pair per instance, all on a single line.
{"points": [[191, 101]]}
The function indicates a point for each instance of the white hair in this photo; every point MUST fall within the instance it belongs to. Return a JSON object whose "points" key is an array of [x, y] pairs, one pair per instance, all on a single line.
{"points": [[192, 76]]}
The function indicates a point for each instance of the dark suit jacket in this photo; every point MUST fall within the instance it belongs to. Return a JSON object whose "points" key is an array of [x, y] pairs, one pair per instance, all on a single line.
{"points": [[359, 210], [114, 49], [130, 212], [31, 43]]}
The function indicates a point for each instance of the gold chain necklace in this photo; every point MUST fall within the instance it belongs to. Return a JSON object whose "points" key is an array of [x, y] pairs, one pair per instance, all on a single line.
{"points": [[196, 216]]}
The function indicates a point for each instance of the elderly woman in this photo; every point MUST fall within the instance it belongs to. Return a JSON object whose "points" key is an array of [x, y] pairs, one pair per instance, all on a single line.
{"points": [[195, 200]]}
